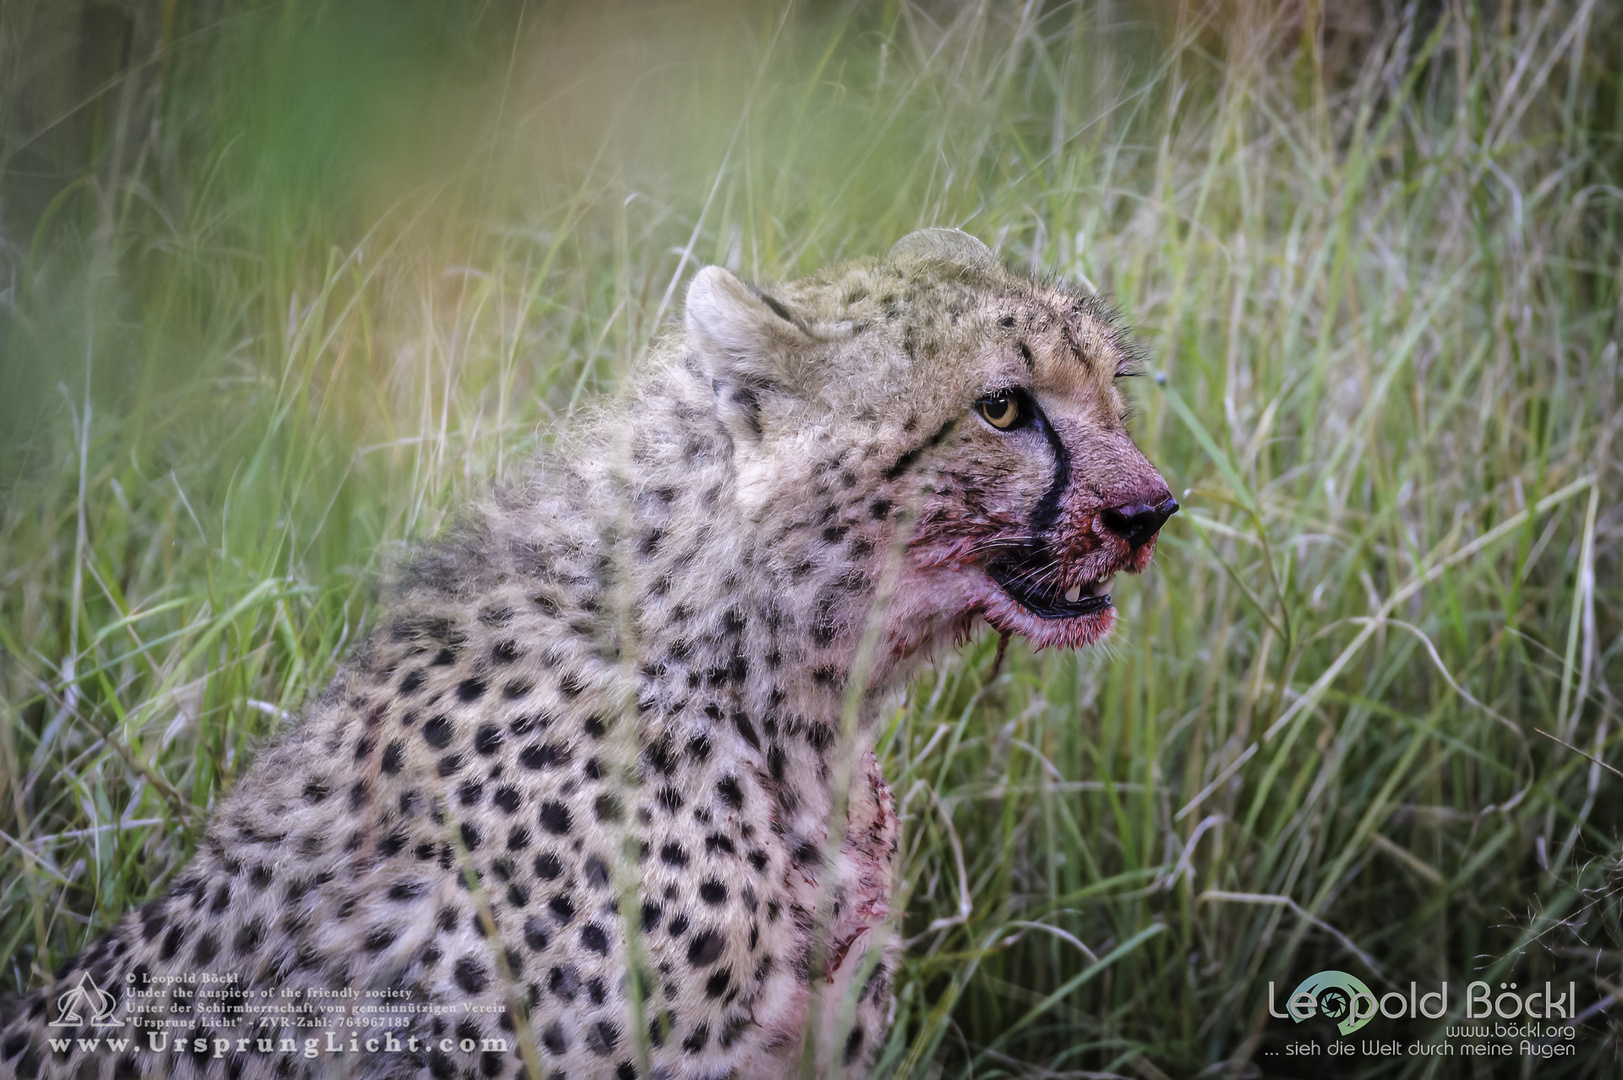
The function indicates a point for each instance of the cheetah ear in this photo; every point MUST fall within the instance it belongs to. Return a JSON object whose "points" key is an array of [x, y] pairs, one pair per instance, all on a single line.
{"points": [[744, 342], [952, 246]]}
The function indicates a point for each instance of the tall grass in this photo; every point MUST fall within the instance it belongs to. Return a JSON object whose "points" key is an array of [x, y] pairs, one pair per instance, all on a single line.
{"points": [[286, 282]]}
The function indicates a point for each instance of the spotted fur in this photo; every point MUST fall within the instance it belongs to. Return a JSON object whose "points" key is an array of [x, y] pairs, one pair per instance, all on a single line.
{"points": [[604, 769]]}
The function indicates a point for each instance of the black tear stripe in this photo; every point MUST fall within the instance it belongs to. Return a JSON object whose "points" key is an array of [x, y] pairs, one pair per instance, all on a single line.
{"points": [[907, 460], [1047, 510]]}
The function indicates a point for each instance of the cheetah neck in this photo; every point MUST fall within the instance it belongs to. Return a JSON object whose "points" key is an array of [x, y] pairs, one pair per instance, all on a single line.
{"points": [[741, 621]]}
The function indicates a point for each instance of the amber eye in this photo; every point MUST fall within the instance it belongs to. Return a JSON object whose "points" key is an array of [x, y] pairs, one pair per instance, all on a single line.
{"points": [[1002, 409]]}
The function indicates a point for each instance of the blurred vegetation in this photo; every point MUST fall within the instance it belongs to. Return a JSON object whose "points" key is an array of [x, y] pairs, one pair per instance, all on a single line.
{"points": [[282, 283]]}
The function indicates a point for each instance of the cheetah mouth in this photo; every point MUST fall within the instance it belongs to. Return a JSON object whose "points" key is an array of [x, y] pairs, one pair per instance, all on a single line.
{"points": [[1032, 589]]}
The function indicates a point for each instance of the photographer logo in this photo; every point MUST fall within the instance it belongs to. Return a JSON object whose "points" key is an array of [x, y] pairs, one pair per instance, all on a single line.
{"points": [[1335, 995], [86, 998]]}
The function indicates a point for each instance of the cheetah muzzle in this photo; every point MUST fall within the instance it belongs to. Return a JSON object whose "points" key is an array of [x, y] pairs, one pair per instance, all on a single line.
{"points": [[1042, 586], [590, 800]]}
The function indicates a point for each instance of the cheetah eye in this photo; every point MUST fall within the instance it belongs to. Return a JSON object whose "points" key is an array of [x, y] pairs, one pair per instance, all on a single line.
{"points": [[1003, 410]]}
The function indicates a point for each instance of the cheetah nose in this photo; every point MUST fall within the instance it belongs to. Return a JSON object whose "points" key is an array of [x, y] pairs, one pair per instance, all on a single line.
{"points": [[1137, 523]]}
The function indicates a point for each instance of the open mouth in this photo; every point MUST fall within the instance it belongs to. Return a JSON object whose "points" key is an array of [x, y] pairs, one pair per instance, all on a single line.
{"points": [[1029, 589]]}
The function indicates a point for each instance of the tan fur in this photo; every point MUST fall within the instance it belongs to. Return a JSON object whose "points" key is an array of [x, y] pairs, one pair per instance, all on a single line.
{"points": [[594, 768]]}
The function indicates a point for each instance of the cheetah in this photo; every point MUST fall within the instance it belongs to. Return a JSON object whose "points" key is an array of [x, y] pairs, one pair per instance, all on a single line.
{"points": [[598, 796]]}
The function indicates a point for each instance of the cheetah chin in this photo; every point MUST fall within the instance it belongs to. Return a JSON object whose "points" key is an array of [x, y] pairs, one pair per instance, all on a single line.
{"points": [[597, 799]]}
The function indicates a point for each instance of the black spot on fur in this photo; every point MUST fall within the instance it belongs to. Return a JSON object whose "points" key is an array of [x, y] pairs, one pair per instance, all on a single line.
{"points": [[496, 616], [488, 739], [470, 974], [152, 920], [249, 938], [208, 946], [594, 938], [402, 891], [555, 818], [705, 948], [437, 732], [392, 845], [660, 757], [602, 1037], [171, 943], [544, 756]]}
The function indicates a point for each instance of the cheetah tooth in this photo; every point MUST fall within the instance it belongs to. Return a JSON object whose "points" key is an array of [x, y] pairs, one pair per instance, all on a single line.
{"points": [[1074, 593]]}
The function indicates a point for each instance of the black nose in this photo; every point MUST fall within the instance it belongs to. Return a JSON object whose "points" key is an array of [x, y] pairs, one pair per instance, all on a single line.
{"points": [[1137, 523]]}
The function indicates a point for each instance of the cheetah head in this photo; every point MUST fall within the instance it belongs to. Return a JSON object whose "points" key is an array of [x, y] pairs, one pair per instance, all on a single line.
{"points": [[941, 411]]}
